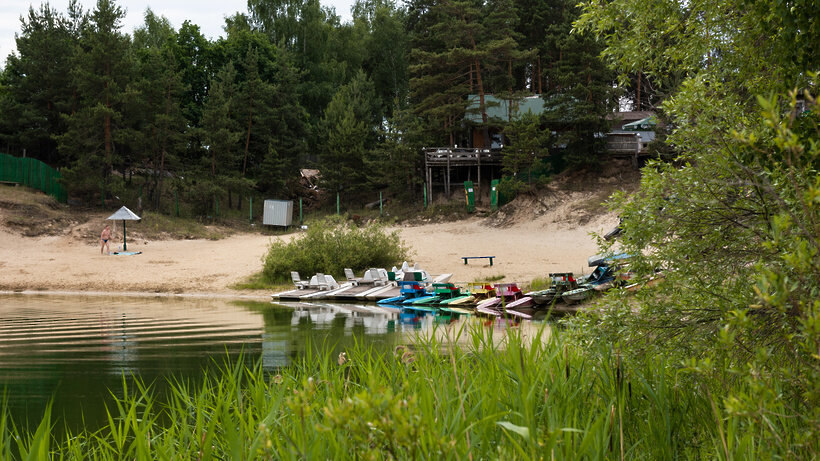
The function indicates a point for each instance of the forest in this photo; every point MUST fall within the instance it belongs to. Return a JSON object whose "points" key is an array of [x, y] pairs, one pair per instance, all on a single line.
{"points": [[290, 86], [723, 352]]}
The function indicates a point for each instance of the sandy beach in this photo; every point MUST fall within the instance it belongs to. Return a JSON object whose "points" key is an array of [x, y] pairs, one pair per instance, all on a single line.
{"points": [[524, 250]]}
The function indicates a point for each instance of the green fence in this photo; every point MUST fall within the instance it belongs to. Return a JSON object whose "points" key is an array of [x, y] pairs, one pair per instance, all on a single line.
{"points": [[32, 173]]}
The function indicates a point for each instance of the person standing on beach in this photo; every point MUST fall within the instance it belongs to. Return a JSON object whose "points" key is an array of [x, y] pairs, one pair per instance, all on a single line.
{"points": [[105, 236]]}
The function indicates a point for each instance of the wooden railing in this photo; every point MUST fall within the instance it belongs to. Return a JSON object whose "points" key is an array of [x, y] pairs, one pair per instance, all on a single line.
{"points": [[623, 143], [455, 156]]}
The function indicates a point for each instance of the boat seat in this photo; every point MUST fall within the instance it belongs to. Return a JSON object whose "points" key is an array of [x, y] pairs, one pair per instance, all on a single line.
{"points": [[300, 284]]}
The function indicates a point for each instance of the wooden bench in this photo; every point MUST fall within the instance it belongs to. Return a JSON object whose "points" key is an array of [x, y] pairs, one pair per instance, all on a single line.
{"points": [[465, 258]]}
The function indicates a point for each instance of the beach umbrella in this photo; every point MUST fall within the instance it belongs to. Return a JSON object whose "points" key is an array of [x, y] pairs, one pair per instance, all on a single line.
{"points": [[126, 215]]}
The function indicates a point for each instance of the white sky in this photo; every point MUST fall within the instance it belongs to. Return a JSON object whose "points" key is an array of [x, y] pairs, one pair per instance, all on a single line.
{"points": [[209, 15]]}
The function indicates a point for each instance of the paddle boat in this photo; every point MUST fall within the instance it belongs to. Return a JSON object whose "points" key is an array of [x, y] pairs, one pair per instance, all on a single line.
{"points": [[561, 282], [317, 285], [475, 294], [600, 279], [372, 280], [507, 294], [412, 286], [431, 303]]}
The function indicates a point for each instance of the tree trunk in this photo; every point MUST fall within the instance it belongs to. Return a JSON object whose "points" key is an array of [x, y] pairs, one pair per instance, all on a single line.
{"points": [[510, 101], [247, 139], [485, 132], [164, 134], [107, 135]]}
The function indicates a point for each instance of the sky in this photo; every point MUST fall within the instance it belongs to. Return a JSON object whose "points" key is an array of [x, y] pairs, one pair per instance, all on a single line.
{"points": [[209, 15]]}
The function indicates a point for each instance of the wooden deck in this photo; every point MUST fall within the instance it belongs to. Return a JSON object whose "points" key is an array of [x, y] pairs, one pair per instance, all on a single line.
{"points": [[456, 156], [448, 158]]}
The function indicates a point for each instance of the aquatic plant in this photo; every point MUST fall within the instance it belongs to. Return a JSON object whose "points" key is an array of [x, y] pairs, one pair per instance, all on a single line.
{"points": [[463, 396]]}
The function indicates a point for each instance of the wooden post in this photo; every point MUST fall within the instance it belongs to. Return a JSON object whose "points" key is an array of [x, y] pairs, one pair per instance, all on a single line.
{"points": [[447, 179], [478, 179], [429, 184]]}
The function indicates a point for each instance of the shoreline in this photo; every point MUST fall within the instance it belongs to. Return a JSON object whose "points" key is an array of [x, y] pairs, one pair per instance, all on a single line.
{"points": [[527, 249], [253, 296]]}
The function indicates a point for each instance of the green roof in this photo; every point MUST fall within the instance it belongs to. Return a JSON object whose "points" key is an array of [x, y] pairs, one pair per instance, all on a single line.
{"points": [[498, 108], [643, 124]]}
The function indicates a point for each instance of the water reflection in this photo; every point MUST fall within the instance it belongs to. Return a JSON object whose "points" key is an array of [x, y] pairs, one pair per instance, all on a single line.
{"points": [[77, 349]]}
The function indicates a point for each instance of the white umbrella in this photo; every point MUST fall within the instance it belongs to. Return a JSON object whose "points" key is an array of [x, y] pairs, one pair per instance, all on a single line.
{"points": [[126, 215]]}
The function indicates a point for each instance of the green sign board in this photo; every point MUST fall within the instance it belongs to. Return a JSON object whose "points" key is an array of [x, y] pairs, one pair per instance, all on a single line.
{"points": [[494, 195], [469, 192]]}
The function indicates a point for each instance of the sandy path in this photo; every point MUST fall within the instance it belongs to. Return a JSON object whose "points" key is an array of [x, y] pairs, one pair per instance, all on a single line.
{"points": [[523, 252]]}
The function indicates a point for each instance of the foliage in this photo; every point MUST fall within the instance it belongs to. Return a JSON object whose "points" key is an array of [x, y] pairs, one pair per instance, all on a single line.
{"points": [[398, 155], [580, 91], [733, 224], [100, 74], [290, 87], [509, 188], [331, 245], [517, 399], [347, 134], [527, 149], [37, 85]]}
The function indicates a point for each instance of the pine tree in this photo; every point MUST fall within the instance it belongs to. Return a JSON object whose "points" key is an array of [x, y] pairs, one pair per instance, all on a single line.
{"points": [[158, 136], [347, 133], [38, 86], [221, 133], [101, 74], [580, 88], [469, 49]]}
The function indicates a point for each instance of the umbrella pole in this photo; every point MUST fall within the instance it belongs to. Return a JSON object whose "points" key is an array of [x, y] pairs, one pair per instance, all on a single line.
{"points": [[124, 243]]}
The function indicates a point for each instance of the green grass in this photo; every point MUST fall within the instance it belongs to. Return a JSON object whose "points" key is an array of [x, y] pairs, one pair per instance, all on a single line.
{"points": [[157, 225], [534, 398], [259, 282], [540, 283]]}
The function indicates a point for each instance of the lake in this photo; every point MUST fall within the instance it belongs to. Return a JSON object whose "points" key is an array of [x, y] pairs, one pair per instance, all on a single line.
{"points": [[79, 349]]}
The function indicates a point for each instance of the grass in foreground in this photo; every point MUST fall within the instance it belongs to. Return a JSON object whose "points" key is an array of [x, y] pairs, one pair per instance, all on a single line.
{"points": [[537, 398]]}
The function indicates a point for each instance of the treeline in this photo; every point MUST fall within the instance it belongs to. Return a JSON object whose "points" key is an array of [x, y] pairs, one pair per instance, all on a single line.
{"points": [[290, 87]]}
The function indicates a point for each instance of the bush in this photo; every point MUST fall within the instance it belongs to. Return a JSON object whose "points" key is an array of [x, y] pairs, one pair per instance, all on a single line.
{"points": [[330, 246]]}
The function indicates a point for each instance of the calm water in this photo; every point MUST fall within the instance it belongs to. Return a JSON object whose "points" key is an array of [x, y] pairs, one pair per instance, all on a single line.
{"points": [[77, 350]]}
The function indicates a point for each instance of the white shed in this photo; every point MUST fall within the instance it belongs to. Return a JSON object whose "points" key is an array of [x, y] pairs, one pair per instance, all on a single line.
{"points": [[278, 213]]}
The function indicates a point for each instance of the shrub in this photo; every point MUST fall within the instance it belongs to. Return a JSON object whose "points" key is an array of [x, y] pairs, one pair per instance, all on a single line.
{"points": [[330, 246]]}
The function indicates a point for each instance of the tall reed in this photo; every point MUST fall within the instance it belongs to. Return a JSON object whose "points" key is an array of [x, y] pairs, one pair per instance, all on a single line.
{"points": [[461, 397]]}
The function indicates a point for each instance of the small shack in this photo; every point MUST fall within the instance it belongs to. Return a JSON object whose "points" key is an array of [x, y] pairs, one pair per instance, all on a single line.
{"points": [[278, 213]]}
